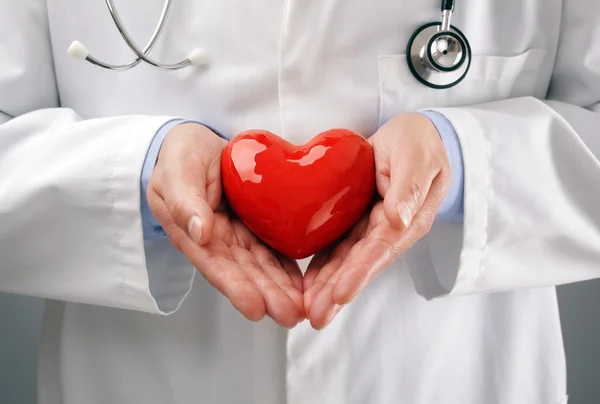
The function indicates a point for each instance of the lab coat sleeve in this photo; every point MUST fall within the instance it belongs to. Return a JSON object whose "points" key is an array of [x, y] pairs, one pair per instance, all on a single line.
{"points": [[70, 221], [532, 182], [451, 209]]}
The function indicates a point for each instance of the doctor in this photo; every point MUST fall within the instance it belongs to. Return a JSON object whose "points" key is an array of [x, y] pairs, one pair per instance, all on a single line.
{"points": [[96, 166]]}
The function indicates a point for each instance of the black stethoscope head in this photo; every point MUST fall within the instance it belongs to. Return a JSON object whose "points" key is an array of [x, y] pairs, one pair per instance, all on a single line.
{"points": [[438, 54]]}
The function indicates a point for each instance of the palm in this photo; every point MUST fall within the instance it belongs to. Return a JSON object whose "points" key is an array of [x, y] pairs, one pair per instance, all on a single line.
{"points": [[337, 274], [251, 275]]}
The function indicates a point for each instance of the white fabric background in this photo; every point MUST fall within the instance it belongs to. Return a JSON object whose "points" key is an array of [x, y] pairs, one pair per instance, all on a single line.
{"points": [[20, 323]]}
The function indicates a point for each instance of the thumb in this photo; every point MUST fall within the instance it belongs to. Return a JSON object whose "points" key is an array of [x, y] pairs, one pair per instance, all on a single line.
{"points": [[409, 185], [191, 212]]}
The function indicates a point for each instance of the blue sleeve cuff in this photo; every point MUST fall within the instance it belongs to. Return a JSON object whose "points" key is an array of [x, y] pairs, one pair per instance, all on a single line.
{"points": [[452, 209], [150, 226]]}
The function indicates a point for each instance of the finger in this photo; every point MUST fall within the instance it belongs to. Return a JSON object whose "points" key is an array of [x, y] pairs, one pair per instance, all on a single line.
{"points": [[227, 277], [282, 275], [314, 267], [374, 254], [271, 267], [408, 189], [325, 264], [323, 307], [293, 270], [280, 306], [411, 175], [319, 268], [160, 211], [384, 245], [326, 272], [185, 199]]}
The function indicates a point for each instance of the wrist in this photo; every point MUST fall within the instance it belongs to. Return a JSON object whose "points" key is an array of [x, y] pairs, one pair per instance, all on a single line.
{"points": [[201, 129], [452, 206], [181, 136]]}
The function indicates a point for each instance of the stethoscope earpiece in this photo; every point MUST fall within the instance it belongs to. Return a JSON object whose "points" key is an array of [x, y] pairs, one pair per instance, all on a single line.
{"points": [[196, 57], [438, 54], [78, 50]]}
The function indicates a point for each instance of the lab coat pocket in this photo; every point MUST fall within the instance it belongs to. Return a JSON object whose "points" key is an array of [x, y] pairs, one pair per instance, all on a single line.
{"points": [[490, 78]]}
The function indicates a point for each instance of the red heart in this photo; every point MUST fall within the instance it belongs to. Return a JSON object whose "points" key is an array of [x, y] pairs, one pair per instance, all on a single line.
{"points": [[298, 199]]}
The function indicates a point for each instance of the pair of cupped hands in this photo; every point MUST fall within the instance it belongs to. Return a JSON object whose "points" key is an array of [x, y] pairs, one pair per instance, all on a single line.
{"points": [[185, 195]]}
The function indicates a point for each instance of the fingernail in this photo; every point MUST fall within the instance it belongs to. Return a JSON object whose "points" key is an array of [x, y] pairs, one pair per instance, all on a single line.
{"points": [[406, 214], [195, 228]]}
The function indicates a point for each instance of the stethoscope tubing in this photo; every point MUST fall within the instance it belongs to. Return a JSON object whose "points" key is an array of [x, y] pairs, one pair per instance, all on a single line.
{"points": [[142, 55], [198, 56]]}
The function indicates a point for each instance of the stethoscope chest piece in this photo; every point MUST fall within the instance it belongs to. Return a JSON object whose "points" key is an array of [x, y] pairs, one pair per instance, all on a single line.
{"points": [[438, 58]]}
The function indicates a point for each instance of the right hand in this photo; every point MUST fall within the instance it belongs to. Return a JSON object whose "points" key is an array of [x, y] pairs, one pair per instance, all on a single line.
{"points": [[185, 195]]}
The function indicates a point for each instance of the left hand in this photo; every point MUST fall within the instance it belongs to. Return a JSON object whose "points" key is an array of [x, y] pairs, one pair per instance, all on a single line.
{"points": [[412, 177], [185, 196]]}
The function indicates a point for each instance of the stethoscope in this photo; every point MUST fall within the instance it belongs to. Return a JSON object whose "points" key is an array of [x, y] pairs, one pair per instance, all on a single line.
{"points": [[197, 57], [438, 54]]}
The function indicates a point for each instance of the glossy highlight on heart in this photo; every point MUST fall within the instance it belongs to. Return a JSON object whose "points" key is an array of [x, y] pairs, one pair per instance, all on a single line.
{"points": [[298, 199]]}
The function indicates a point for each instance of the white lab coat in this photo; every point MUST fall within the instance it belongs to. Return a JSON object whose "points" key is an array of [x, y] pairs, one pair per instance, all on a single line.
{"points": [[468, 316]]}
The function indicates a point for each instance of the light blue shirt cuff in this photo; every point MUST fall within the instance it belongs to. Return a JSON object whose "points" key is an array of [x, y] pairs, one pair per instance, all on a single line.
{"points": [[452, 209], [150, 226]]}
